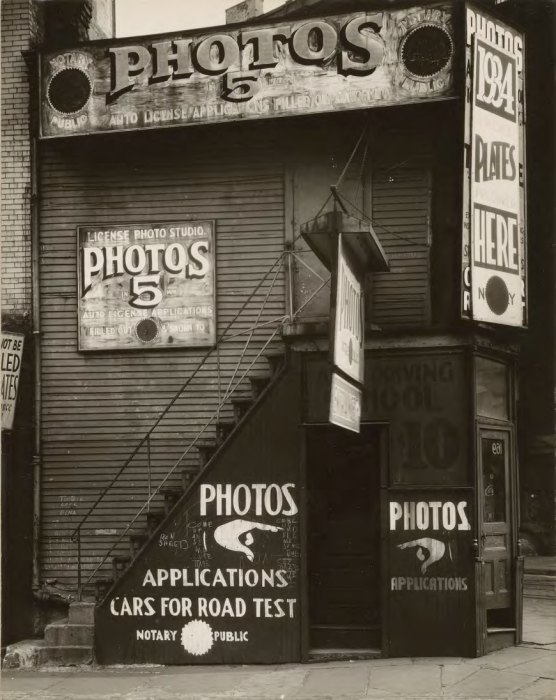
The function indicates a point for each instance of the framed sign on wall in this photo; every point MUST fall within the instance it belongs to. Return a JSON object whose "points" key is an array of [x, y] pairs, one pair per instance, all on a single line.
{"points": [[146, 286]]}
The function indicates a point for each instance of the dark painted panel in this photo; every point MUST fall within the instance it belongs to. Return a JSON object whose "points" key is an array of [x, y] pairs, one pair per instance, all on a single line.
{"points": [[422, 396], [430, 577], [219, 581]]}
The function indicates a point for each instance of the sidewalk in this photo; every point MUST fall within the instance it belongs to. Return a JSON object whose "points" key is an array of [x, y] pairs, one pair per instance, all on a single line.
{"points": [[527, 672]]}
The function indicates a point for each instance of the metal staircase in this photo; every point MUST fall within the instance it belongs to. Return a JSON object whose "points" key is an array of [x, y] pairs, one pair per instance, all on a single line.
{"points": [[241, 385]]}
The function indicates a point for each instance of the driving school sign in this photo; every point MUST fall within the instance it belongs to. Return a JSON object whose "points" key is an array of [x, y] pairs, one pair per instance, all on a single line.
{"points": [[325, 64], [147, 285]]}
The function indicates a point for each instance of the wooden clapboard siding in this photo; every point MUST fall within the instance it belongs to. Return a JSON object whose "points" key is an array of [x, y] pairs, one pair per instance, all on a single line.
{"points": [[97, 406], [400, 214]]}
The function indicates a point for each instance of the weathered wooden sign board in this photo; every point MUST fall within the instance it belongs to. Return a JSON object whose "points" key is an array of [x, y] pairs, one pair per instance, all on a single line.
{"points": [[494, 224], [146, 285], [12, 357], [348, 61]]}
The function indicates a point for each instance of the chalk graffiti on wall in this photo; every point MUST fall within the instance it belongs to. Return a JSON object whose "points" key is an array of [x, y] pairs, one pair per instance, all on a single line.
{"points": [[218, 572]]}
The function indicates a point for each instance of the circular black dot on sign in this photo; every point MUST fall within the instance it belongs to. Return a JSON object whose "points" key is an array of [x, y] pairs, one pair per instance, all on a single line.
{"points": [[146, 330], [69, 90], [426, 50], [497, 296]]}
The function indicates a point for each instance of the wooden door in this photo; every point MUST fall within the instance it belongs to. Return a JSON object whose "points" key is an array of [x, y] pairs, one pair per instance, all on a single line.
{"points": [[343, 538], [496, 519]]}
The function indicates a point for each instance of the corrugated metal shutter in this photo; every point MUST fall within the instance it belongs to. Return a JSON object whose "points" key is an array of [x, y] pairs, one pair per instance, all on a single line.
{"points": [[400, 214], [96, 407]]}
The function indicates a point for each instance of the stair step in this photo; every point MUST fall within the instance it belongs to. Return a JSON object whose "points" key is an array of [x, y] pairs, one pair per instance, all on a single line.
{"points": [[102, 586], [241, 406], [31, 653], [136, 543], [223, 429], [258, 385], [275, 360], [81, 613], [154, 518], [206, 451], [64, 655], [64, 634], [171, 497], [187, 476], [119, 564]]}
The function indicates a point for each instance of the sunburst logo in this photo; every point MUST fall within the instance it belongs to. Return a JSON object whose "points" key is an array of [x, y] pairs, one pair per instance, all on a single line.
{"points": [[197, 638]]}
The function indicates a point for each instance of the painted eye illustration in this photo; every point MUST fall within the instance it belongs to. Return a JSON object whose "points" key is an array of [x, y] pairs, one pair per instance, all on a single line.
{"points": [[237, 535], [428, 551]]}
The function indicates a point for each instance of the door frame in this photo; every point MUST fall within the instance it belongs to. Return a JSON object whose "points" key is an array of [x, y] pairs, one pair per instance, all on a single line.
{"points": [[493, 428], [384, 457]]}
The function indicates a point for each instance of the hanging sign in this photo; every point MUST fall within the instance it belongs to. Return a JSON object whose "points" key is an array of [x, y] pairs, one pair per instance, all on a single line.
{"points": [[146, 285], [346, 401], [494, 214], [349, 318], [12, 355], [325, 64]]}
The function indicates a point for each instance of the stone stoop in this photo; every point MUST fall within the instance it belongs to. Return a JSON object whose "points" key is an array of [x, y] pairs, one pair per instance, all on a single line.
{"points": [[66, 643]]}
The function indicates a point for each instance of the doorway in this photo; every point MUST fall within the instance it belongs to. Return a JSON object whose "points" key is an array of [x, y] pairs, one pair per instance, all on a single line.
{"points": [[343, 538], [497, 539]]}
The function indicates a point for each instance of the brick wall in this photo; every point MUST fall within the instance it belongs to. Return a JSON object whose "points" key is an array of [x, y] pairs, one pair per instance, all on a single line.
{"points": [[20, 30]]}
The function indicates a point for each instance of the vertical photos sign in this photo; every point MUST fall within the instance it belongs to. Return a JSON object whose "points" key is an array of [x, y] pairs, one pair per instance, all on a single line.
{"points": [[348, 324], [348, 352], [146, 285], [494, 253]]}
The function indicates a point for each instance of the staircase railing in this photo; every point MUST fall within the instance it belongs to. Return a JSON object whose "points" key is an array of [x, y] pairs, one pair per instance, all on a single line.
{"points": [[269, 329]]}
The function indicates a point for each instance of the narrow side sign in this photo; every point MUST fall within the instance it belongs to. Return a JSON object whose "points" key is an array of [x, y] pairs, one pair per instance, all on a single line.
{"points": [[12, 354], [345, 404]]}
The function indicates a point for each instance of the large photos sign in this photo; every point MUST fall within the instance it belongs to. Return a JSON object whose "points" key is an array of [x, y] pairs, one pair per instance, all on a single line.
{"points": [[494, 210], [146, 286], [325, 64]]}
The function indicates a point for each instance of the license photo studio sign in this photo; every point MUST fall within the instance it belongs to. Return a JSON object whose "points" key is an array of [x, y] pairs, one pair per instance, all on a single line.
{"points": [[146, 285], [324, 64], [494, 274]]}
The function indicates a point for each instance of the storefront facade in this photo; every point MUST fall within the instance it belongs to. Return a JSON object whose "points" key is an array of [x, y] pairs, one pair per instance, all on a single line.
{"points": [[173, 275]]}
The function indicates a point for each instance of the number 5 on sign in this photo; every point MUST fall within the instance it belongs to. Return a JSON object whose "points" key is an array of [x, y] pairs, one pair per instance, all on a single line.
{"points": [[145, 285]]}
